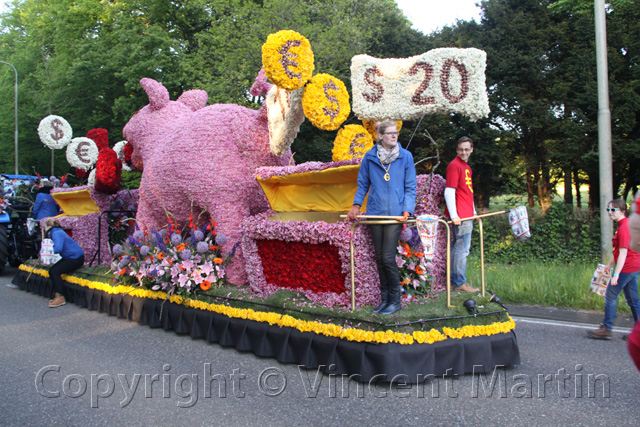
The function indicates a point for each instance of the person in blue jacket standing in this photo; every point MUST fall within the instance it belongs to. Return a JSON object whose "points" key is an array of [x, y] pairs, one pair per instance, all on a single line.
{"points": [[72, 258], [45, 206], [388, 174]]}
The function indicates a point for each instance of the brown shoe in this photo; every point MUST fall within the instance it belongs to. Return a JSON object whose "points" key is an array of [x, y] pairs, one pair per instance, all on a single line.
{"points": [[57, 301], [601, 333], [466, 288]]}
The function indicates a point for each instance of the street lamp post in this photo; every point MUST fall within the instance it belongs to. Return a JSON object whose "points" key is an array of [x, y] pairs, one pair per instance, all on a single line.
{"points": [[16, 116]]}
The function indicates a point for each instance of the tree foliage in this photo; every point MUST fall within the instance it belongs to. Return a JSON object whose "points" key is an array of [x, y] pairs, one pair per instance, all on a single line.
{"points": [[83, 60]]}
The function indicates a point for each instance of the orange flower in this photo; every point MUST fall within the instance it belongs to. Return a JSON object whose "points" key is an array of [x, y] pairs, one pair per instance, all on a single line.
{"points": [[405, 281], [213, 248], [160, 255], [181, 247], [218, 260], [205, 285], [122, 272], [419, 270], [407, 249], [419, 254]]}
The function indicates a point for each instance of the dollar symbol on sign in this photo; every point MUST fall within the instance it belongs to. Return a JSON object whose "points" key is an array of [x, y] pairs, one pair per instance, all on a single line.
{"points": [[56, 124], [330, 111]]}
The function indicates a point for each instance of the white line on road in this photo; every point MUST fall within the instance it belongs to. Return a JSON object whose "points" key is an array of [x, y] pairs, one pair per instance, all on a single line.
{"points": [[565, 324]]}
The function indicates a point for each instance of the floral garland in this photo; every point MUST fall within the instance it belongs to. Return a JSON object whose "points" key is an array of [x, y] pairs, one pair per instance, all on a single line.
{"points": [[352, 141], [55, 132], [326, 102], [119, 149], [370, 126], [267, 172], [330, 330], [285, 114], [446, 80], [82, 153], [287, 59]]}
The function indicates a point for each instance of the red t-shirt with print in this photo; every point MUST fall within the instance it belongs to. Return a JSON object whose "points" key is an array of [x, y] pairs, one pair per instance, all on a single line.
{"points": [[622, 240], [459, 177]]}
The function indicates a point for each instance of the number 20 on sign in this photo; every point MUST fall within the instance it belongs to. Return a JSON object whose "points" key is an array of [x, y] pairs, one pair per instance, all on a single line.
{"points": [[439, 81]]}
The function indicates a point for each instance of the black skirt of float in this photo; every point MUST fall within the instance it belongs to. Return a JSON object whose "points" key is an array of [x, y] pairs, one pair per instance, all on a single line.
{"points": [[413, 363]]}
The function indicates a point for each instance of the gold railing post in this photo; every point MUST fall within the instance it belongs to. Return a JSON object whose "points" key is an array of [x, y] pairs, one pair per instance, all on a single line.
{"points": [[481, 254]]}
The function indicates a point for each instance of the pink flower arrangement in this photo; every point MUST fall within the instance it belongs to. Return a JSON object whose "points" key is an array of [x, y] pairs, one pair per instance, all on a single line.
{"points": [[170, 260], [190, 153]]}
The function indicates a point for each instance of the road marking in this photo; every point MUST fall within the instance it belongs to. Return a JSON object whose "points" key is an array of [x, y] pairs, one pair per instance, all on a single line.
{"points": [[565, 324]]}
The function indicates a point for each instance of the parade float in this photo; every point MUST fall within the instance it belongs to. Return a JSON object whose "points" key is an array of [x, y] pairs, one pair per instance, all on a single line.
{"points": [[226, 223]]}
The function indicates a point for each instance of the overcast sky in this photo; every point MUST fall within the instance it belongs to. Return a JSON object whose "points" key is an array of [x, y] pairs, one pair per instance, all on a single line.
{"points": [[430, 15]]}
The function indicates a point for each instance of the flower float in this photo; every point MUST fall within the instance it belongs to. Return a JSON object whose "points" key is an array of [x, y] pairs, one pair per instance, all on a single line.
{"points": [[287, 59], [326, 102]]}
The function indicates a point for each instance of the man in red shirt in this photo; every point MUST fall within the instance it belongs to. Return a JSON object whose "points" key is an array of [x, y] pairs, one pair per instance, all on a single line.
{"points": [[458, 196]]}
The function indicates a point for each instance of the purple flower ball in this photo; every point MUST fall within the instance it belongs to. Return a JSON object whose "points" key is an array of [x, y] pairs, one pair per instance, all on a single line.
{"points": [[176, 239], [144, 250], [202, 247], [138, 235], [124, 262], [221, 239], [185, 255], [198, 235], [118, 249], [406, 234]]}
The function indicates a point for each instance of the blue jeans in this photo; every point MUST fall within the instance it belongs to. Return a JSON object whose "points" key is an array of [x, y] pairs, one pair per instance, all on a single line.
{"points": [[460, 244], [627, 282]]}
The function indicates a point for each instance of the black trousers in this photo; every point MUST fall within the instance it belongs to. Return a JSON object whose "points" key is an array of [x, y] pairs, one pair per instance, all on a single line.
{"points": [[61, 267], [385, 242]]}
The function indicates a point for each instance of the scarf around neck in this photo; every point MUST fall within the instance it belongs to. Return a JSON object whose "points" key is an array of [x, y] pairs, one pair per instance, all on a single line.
{"points": [[387, 156]]}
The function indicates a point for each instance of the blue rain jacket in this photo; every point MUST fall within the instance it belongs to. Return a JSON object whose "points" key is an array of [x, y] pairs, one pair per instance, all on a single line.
{"points": [[64, 245], [387, 197]]}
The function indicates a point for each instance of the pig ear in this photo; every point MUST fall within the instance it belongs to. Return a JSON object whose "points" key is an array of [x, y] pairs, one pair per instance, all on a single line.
{"points": [[194, 99], [158, 94]]}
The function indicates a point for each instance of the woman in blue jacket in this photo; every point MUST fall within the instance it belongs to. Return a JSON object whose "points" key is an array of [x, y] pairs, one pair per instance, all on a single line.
{"points": [[45, 206], [388, 174], [72, 258]]}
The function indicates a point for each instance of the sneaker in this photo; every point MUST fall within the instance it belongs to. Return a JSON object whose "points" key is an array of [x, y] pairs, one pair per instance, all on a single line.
{"points": [[601, 333], [466, 288], [57, 301], [625, 337]]}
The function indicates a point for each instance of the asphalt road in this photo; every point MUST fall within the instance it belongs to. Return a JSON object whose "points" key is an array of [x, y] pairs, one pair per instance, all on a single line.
{"points": [[72, 366]]}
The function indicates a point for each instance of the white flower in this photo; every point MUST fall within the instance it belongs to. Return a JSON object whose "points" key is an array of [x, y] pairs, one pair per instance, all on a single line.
{"points": [[446, 80], [119, 149], [54, 132], [82, 153], [285, 115]]}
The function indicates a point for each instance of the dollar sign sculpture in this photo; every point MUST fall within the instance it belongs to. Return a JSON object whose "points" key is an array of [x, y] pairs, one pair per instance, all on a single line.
{"points": [[59, 133], [287, 58], [82, 150], [330, 111]]}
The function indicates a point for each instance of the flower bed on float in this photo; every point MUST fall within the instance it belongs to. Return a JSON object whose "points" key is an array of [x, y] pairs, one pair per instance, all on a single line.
{"points": [[289, 309]]}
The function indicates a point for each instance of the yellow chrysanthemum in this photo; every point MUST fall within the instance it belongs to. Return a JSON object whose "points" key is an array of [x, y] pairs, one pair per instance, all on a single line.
{"points": [[352, 142], [325, 102], [370, 126], [331, 330], [287, 59]]}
